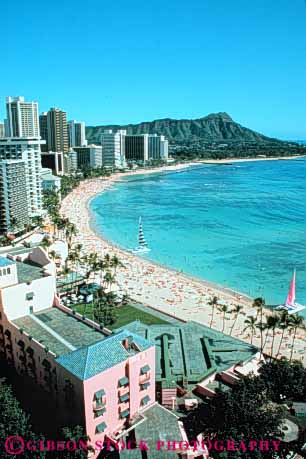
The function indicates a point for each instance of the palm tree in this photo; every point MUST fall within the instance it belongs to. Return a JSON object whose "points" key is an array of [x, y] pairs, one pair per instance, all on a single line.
{"points": [[284, 323], [115, 263], [107, 260], [45, 243], [213, 302], [108, 279], [259, 304], [272, 324], [223, 308], [250, 326], [71, 231], [295, 322], [236, 311]]}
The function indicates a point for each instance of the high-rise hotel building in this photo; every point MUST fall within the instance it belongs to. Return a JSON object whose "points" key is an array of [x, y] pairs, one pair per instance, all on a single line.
{"points": [[20, 165], [22, 118], [113, 148], [145, 147], [57, 131], [26, 150], [13, 195], [76, 134], [137, 148], [157, 147], [43, 127]]}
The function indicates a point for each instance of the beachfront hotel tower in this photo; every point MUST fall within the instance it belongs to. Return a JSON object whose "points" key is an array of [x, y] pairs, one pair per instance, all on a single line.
{"points": [[145, 147], [157, 147], [113, 148], [76, 134], [28, 173], [137, 148], [57, 130], [22, 118], [13, 195]]}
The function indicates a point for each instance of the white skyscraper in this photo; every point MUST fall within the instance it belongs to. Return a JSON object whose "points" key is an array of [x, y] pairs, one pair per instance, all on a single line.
{"points": [[113, 148], [27, 150], [158, 147], [76, 134], [22, 118]]}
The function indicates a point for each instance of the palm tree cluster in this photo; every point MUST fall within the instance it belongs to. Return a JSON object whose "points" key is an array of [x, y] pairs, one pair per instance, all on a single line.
{"points": [[271, 325], [268, 326]]}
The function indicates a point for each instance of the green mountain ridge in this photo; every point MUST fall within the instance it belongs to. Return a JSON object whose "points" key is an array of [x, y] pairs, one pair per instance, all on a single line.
{"points": [[216, 127]]}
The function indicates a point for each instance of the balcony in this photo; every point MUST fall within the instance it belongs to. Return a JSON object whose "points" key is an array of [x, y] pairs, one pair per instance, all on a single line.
{"points": [[144, 386], [123, 390], [124, 398], [124, 414], [144, 378], [99, 405], [145, 369], [21, 344], [145, 400], [123, 381], [101, 427], [99, 412], [30, 351], [7, 333], [124, 406]]}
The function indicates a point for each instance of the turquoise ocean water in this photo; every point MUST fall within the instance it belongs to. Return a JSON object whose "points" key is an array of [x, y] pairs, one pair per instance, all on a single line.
{"points": [[241, 225]]}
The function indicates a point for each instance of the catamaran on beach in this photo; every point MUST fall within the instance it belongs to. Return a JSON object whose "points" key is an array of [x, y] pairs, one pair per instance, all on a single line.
{"points": [[290, 305]]}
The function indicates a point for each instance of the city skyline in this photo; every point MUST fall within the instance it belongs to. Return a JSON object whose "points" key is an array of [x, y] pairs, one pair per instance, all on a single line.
{"points": [[220, 57]]}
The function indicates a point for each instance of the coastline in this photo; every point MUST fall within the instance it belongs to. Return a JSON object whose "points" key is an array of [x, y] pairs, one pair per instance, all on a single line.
{"points": [[159, 287]]}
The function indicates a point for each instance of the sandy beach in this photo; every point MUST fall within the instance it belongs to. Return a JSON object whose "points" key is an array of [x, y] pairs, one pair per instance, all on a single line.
{"points": [[164, 289]]}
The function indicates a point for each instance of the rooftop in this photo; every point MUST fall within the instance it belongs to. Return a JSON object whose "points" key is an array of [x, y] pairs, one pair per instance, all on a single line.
{"points": [[18, 250], [191, 351], [91, 360], [159, 425], [58, 331], [27, 272], [5, 262]]}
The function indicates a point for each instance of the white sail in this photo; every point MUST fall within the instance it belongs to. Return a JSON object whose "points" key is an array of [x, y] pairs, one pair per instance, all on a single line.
{"points": [[142, 243]]}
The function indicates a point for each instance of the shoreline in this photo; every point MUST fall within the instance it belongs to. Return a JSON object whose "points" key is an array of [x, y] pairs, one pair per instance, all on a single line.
{"points": [[162, 288]]}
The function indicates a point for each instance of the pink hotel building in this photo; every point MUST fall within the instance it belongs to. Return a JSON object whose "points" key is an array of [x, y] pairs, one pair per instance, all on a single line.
{"points": [[103, 381]]}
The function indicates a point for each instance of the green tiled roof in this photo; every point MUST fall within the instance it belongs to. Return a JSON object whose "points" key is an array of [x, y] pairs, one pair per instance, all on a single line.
{"points": [[101, 427], [91, 360], [188, 353], [59, 324], [159, 425], [28, 272]]}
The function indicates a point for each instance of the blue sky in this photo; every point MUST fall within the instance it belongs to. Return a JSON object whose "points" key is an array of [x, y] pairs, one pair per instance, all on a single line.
{"points": [[119, 62]]}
